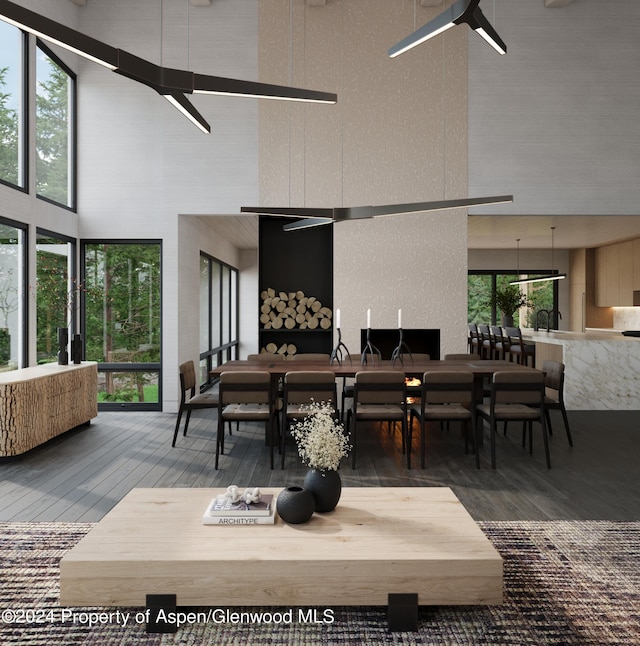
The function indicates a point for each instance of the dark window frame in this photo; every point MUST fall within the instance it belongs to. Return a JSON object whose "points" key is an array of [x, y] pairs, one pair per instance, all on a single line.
{"points": [[73, 129], [125, 367], [24, 134], [224, 351], [494, 273]]}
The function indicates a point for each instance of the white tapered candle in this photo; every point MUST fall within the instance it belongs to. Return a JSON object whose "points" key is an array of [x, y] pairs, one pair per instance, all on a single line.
{"points": [[338, 318], [400, 318], [368, 318]]}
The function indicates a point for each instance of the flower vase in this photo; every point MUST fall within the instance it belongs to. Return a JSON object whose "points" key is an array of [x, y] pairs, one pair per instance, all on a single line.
{"points": [[295, 505], [76, 348], [63, 340], [326, 487]]}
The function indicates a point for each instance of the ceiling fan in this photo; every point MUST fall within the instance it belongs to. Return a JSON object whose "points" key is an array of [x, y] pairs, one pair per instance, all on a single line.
{"points": [[313, 217]]}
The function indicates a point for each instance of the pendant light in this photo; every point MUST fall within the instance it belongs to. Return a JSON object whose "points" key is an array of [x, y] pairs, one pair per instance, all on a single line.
{"points": [[462, 11], [554, 275], [171, 83]]}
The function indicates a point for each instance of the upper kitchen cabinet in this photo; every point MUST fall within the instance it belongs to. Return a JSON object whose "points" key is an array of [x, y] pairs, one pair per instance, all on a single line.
{"points": [[617, 273]]}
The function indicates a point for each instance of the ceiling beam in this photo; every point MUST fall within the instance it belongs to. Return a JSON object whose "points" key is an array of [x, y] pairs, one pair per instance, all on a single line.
{"points": [[557, 3]]}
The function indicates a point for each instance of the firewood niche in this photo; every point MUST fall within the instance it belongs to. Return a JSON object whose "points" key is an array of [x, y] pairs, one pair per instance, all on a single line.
{"points": [[291, 311]]}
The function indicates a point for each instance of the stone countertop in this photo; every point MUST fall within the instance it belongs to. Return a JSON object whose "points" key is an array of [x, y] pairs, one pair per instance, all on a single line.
{"points": [[562, 336]]}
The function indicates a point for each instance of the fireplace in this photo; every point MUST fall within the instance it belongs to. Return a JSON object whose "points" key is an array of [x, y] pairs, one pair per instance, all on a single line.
{"points": [[420, 341]]}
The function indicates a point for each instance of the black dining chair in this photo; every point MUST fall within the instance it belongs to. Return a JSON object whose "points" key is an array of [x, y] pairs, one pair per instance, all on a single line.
{"points": [[189, 401], [554, 393]]}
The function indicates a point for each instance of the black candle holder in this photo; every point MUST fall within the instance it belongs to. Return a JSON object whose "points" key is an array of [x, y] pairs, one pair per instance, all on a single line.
{"points": [[397, 353], [370, 348], [337, 352]]}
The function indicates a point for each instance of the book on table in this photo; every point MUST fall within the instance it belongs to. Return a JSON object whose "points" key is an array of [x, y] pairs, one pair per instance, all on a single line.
{"points": [[222, 511]]}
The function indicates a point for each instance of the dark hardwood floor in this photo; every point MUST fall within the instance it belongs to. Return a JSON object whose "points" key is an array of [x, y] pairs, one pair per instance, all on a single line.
{"points": [[80, 476]]}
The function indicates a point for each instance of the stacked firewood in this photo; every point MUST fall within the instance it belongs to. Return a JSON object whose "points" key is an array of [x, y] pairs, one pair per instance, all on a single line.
{"points": [[291, 310]]}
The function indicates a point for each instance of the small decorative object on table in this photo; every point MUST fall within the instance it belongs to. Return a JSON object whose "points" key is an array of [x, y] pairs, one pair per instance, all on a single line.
{"points": [[322, 443], [63, 340], [236, 508], [295, 505]]}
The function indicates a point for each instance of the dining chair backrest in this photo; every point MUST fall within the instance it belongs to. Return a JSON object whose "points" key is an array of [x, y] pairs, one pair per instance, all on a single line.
{"points": [[245, 386], [416, 357], [554, 376], [305, 386], [447, 387], [514, 334], [518, 387], [379, 387], [187, 377]]}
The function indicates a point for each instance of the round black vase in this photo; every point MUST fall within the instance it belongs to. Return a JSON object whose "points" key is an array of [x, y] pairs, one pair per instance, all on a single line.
{"points": [[63, 340], [326, 487], [295, 505]]}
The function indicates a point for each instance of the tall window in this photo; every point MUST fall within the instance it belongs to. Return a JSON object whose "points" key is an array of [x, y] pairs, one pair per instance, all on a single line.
{"points": [[12, 296], [12, 106], [218, 315], [55, 127], [482, 287], [122, 316], [57, 291]]}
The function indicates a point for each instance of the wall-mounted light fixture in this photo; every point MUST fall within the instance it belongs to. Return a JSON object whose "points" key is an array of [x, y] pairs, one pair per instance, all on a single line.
{"points": [[171, 83], [462, 11], [554, 275]]}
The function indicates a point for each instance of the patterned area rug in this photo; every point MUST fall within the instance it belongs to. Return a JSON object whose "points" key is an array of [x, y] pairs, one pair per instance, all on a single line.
{"points": [[566, 582]]}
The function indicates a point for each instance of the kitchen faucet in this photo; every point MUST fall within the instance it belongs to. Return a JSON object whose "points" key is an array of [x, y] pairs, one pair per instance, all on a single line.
{"points": [[550, 314]]}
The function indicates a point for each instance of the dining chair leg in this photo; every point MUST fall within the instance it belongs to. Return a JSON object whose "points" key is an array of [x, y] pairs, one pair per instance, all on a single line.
{"points": [[493, 443], [546, 441], [186, 423], [175, 432], [565, 419], [409, 431]]}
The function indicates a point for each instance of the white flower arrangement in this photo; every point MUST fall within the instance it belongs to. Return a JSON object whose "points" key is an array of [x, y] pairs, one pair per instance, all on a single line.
{"points": [[321, 440]]}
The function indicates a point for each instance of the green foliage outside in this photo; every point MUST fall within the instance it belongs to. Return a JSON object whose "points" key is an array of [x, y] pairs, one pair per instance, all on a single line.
{"points": [[9, 135], [483, 306], [51, 302], [122, 308], [52, 132]]}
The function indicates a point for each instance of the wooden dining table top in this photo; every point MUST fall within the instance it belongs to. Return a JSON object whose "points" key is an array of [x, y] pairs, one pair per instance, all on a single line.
{"points": [[480, 368]]}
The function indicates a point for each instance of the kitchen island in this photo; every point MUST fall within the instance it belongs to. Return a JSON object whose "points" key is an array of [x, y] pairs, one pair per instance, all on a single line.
{"points": [[602, 369]]}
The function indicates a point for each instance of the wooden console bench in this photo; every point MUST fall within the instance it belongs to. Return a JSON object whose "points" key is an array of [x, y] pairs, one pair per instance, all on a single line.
{"points": [[378, 541], [41, 402]]}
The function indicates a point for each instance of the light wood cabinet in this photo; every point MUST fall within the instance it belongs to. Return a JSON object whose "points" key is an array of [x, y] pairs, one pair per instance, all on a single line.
{"points": [[615, 274], [41, 402]]}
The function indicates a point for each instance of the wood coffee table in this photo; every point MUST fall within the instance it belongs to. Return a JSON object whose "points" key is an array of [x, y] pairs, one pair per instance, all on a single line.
{"points": [[378, 541]]}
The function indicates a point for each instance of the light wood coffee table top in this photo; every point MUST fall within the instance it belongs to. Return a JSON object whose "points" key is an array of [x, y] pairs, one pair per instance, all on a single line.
{"points": [[377, 541]]}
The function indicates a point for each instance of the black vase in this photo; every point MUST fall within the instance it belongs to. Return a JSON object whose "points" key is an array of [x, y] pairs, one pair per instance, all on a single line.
{"points": [[295, 505], [326, 487], [63, 340], [76, 348]]}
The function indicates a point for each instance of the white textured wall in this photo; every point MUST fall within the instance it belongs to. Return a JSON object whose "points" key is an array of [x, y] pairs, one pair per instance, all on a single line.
{"points": [[142, 164], [397, 134], [555, 121]]}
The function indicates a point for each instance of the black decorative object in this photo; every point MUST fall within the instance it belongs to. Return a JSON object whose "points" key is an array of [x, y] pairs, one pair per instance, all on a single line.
{"points": [[295, 505], [76, 348], [337, 353], [63, 340], [370, 348], [397, 353], [326, 487]]}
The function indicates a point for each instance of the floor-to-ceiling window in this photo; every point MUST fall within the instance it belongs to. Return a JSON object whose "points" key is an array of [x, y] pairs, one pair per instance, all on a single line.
{"points": [[55, 129], [482, 288], [218, 315], [57, 291], [121, 320], [12, 106], [13, 288]]}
